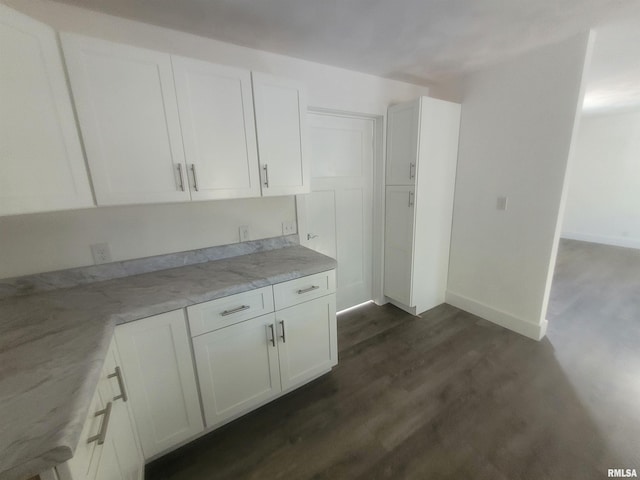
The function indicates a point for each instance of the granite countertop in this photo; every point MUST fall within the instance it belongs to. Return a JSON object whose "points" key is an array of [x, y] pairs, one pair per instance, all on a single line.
{"points": [[54, 343]]}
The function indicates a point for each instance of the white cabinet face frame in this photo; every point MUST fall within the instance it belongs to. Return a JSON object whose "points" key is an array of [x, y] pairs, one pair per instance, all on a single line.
{"points": [[126, 103], [280, 109], [216, 115], [160, 378], [42, 167]]}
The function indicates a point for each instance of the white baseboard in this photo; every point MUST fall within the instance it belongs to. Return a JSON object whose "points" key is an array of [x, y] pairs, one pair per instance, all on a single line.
{"points": [[615, 241], [535, 331]]}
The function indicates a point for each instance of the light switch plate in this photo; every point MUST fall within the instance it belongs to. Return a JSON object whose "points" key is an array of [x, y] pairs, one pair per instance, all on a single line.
{"points": [[501, 203]]}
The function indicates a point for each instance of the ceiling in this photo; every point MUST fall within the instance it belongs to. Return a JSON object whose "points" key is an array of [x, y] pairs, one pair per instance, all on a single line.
{"points": [[420, 41]]}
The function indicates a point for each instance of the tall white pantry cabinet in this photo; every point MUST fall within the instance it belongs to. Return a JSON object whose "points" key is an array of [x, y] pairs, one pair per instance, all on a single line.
{"points": [[422, 153]]}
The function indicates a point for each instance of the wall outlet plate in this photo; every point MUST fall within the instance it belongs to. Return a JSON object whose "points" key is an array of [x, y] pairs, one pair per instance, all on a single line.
{"points": [[244, 233], [101, 253], [288, 228], [501, 203]]}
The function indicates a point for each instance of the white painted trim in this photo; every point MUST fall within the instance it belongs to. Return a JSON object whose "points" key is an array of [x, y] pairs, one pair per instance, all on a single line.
{"points": [[401, 306], [603, 239], [504, 319]]}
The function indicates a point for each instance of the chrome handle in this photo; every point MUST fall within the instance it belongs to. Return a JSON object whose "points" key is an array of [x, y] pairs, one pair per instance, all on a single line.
{"points": [[310, 289], [195, 178], [411, 199], [123, 392], [181, 185], [412, 170], [284, 340], [273, 335], [102, 434], [235, 310], [310, 236], [265, 167]]}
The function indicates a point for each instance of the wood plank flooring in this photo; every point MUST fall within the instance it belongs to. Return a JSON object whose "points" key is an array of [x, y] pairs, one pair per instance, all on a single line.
{"points": [[451, 396]]}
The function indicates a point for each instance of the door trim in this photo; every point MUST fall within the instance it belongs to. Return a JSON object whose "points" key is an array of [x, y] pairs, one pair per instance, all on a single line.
{"points": [[377, 250]]}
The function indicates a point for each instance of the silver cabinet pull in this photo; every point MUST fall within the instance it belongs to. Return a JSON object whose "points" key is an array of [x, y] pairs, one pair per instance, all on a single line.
{"points": [[284, 340], [123, 392], [102, 434], [411, 199], [273, 335], [235, 310], [311, 236], [265, 167], [195, 178], [181, 177], [306, 290], [412, 170]]}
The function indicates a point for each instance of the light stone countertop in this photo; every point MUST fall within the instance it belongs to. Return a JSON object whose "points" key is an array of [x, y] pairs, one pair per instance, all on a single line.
{"points": [[53, 344]]}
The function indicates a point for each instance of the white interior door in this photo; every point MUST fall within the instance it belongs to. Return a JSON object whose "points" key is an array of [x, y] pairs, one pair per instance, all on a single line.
{"points": [[336, 217]]}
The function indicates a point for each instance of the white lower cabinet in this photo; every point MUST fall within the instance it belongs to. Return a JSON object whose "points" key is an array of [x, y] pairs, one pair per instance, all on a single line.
{"points": [[247, 363], [160, 378], [109, 448]]}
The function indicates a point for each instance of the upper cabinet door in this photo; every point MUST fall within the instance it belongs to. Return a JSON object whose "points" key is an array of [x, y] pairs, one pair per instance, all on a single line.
{"points": [[126, 104], [41, 163], [403, 124], [216, 116], [280, 108]]}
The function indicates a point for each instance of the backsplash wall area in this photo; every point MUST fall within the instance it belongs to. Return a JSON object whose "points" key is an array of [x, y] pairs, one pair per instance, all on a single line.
{"points": [[52, 241]]}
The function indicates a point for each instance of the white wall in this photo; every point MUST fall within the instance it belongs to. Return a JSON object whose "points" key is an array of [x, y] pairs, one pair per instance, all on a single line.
{"points": [[515, 138], [603, 200], [43, 242]]}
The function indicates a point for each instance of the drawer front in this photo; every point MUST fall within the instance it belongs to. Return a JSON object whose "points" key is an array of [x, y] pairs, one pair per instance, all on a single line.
{"points": [[303, 289], [222, 312]]}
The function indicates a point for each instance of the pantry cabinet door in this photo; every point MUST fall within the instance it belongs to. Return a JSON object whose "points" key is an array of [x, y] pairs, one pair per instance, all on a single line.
{"points": [[42, 166], [398, 243], [216, 115], [280, 108], [403, 124], [126, 104]]}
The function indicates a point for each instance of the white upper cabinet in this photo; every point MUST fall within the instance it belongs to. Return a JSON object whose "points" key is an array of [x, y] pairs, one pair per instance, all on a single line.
{"points": [[126, 104], [216, 116], [403, 124], [41, 162], [280, 109]]}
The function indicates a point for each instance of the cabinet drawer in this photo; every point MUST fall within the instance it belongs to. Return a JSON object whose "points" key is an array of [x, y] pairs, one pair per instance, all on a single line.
{"points": [[302, 289], [222, 312]]}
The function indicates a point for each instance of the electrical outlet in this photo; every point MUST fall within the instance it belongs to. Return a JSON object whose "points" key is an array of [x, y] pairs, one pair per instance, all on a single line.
{"points": [[244, 233], [501, 203], [288, 228], [101, 253]]}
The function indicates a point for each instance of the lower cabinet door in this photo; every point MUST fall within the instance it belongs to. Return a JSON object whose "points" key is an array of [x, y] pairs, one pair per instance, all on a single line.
{"points": [[307, 340], [160, 379], [237, 368]]}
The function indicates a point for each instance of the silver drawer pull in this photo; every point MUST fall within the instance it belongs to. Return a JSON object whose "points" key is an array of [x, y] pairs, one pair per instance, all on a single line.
{"points": [[272, 339], [235, 310], [123, 392], [102, 435], [284, 340], [306, 290], [181, 186], [265, 167], [195, 178]]}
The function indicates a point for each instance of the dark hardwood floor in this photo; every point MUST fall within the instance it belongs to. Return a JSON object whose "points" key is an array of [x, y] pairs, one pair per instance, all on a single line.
{"points": [[451, 396]]}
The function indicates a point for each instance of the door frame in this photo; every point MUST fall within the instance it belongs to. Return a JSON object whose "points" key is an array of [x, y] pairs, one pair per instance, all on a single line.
{"points": [[377, 247]]}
